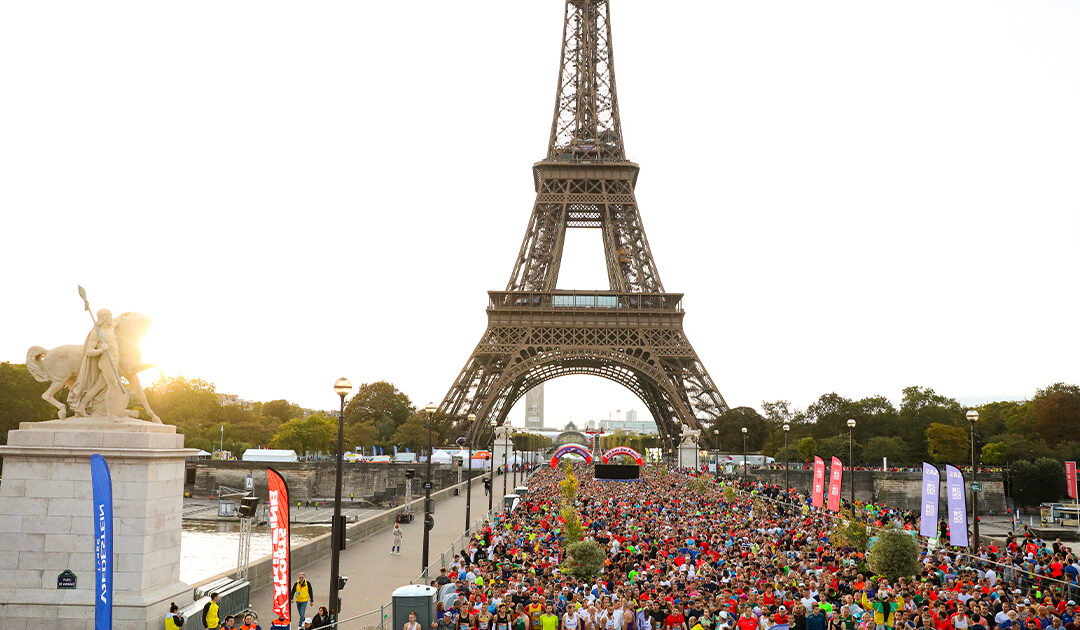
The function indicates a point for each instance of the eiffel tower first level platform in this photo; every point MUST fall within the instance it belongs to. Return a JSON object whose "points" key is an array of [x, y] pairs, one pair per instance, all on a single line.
{"points": [[631, 333]]}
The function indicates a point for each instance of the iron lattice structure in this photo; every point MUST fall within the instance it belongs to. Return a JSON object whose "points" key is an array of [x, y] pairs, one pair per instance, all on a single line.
{"points": [[631, 334]]}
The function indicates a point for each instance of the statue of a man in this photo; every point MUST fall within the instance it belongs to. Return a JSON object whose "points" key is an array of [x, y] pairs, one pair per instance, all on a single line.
{"points": [[96, 389]]}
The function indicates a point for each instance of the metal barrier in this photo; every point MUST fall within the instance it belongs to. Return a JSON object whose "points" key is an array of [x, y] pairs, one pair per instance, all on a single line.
{"points": [[378, 619], [446, 557], [234, 597]]}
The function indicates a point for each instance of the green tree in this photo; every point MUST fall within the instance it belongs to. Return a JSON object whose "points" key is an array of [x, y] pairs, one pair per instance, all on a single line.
{"points": [[879, 447], [281, 410], [361, 434], [837, 446], [730, 425], [314, 434], [947, 444], [1055, 412], [808, 447], [829, 415], [791, 454], [921, 407], [584, 559], [381, 404], [20, 399], [895, 554], [848, 532], [994, 453]]}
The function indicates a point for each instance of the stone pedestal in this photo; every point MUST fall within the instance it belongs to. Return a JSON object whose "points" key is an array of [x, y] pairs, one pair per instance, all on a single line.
{"points": [[46, 522], [688, 453]]}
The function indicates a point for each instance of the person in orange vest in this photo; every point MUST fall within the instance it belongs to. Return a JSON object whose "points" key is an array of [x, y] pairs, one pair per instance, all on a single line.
{"points": [[250, 623]]}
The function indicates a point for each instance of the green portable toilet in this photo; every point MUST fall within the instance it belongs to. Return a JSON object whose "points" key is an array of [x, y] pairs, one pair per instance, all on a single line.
{"points": [[415, 598]]}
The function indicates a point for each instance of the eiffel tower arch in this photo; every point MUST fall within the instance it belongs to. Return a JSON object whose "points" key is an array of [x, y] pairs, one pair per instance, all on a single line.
{"points": [[632, 333]]}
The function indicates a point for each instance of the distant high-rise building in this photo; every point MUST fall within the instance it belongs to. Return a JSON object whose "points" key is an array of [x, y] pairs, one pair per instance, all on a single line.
{"points": [[534, 408], [631, 415]]}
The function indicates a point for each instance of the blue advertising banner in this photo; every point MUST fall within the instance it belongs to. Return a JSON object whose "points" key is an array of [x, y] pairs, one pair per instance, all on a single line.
{"points": [[954, 485], [931, 482], [103, 542]]}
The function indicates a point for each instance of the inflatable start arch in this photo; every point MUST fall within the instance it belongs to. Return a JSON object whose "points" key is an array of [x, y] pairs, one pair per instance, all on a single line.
{"points": [[623, 450], [575, 449]]}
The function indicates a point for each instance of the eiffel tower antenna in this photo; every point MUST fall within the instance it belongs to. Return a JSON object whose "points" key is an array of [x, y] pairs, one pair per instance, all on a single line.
{"points": [[631, 333]]}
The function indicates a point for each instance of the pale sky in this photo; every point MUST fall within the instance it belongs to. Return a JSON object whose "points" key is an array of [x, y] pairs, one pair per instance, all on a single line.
{"points": [[854, 196]]}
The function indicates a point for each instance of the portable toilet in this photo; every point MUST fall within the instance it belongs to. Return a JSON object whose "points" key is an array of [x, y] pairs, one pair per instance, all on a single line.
{"points": [[522, 491], [510, 501], [414, 598]]}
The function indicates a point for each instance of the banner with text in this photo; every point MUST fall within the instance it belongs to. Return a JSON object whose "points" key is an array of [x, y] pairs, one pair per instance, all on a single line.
{"points": [[836, 479], [1070, 479], [818, 493], [280, 542], [931, 484], [954, 485], [101, 482]]}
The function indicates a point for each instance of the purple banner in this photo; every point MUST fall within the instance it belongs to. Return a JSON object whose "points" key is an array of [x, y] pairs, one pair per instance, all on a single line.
{"points": [[931, 482], [954, 485]]}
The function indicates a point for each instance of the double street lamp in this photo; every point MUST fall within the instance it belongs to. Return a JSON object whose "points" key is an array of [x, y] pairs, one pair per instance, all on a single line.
{"points": [[342, 387], [851, 462], [973, 417], [430, 413], [468, 474], [491, 469]]}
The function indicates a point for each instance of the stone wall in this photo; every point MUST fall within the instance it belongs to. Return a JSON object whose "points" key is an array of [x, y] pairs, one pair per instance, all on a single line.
{"points": [[311, 551], [898, 489], [311, 480]]}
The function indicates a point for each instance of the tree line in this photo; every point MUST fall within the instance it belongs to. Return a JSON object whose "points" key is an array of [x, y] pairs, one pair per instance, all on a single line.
{"points": [[927, 426]]}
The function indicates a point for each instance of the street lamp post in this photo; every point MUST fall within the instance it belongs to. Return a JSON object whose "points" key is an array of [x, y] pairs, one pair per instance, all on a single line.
{"points": [[787, 481], [491, 469], [851, 462], [744, 453], [430, 412], [973, 417], [506, 447], [342, 387], [468, 483]]}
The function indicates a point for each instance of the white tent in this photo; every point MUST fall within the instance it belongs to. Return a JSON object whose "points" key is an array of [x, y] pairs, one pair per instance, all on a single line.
{"points": [[269, 455], [475, 463], [440, 457]]}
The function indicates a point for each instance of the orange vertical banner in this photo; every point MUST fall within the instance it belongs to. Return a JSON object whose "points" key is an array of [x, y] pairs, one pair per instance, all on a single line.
{"points": [[280, 542]]}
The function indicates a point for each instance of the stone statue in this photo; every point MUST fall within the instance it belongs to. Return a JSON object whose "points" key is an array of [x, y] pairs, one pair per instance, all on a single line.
{"points": [[92, 371], [691, 437]]}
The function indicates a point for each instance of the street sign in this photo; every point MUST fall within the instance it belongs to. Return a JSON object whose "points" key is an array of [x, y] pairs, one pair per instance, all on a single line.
{"points": [[66, 579], [976, 486], [428, 485]]}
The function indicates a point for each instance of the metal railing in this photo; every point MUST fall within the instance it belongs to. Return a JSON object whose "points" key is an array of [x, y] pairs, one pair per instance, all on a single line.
{"points": [[573, 300], [378, 619], [446, 557]]}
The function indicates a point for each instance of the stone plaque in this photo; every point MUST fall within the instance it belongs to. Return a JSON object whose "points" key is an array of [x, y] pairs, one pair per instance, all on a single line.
{"points": [[66, 579]]}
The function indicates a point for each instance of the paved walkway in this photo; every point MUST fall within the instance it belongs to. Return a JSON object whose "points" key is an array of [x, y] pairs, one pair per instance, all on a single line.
{"points": [[373, 573]]}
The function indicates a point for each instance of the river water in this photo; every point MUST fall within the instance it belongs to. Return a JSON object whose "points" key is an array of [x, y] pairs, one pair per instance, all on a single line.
{"points": [[208, 547]]}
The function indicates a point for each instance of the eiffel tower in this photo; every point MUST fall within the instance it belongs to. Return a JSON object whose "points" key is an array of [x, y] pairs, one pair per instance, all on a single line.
{"points": [[632, 333]]}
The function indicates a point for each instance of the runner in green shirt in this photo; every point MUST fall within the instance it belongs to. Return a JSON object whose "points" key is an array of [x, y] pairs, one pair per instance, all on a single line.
{"points": [[548, 620]]}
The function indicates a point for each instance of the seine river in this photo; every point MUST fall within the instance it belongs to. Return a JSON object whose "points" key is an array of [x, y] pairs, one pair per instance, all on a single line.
{"points": [[208, 548]]}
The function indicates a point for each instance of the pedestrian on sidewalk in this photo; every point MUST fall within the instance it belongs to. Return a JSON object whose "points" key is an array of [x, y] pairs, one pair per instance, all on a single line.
{"points": [[210, 611], [398, 535], [302, 593]]}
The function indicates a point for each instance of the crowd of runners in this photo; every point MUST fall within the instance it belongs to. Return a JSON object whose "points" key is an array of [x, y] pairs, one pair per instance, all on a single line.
{"points": [[686, 552]]}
